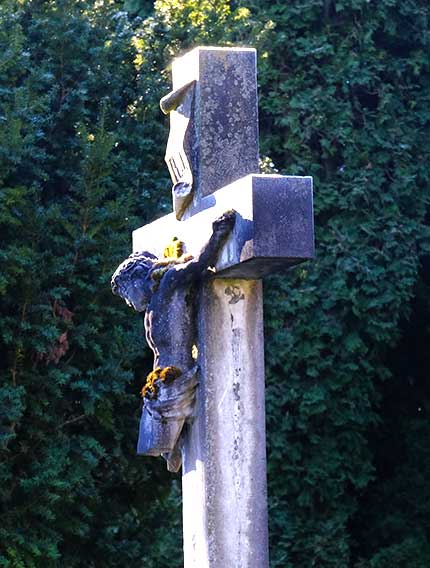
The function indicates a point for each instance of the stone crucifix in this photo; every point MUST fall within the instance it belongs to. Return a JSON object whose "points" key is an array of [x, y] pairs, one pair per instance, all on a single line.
{"points": [[202, 297]]}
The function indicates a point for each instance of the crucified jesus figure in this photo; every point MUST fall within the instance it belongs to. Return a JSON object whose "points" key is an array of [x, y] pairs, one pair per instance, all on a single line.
{"points": [[166, 290]]}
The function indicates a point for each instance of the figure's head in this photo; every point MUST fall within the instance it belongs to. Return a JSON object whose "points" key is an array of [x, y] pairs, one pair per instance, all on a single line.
{"points": [[132, 281]]}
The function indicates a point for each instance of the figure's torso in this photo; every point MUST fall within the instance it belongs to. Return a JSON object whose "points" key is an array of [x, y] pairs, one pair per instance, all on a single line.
{"points": [[170, 326]]}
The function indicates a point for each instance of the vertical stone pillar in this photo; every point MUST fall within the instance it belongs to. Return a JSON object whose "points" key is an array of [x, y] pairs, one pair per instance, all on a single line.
{"points": [[224, 459]]}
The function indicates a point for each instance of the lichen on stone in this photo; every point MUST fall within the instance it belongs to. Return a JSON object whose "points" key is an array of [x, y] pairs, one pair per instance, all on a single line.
{"points": [[159, 375]]}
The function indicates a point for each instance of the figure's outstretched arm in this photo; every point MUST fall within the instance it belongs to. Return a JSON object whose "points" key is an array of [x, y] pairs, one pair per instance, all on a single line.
{"points": [[197, 267], [221, 228]]}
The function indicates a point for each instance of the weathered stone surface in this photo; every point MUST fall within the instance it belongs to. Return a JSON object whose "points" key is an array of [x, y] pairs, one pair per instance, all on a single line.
{"points": [[214, 145], [224, 460], [274, 226], [219, 131]]}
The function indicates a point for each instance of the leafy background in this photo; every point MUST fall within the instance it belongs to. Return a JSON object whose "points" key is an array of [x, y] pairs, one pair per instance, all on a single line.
{"points": [[345, 97]]}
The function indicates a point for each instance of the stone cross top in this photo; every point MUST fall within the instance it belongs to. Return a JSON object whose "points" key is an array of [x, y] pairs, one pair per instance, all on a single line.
{"points": [[212, 155]]}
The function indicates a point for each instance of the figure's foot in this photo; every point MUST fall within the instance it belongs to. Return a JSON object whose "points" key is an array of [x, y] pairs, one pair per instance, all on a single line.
{"points": [[225, 223]]}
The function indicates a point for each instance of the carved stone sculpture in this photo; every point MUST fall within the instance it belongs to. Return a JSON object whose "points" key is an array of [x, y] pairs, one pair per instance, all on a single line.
{"points": [[166, 291], [179, 104]]}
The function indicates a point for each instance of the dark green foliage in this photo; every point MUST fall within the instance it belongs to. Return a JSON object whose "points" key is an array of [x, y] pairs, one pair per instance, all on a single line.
{"points": [[355, 94], [345, 97], [397, 502], [73, 492]]}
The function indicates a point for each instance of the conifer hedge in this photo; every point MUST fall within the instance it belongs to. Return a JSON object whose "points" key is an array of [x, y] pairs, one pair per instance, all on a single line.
{"points": [[344, 97]]}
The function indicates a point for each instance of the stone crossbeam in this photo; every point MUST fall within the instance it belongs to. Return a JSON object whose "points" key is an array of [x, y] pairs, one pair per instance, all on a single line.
{"points": [[274, 226]]}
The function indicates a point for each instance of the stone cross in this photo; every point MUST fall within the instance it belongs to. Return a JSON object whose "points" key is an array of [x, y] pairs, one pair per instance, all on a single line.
{"points": [[212, 155]]}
